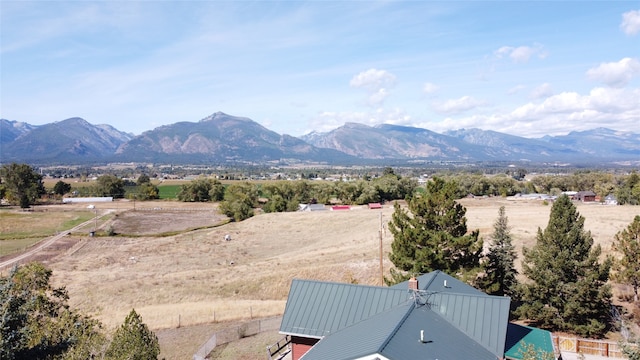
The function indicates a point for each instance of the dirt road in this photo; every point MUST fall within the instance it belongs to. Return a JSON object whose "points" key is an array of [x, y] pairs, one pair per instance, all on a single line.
{"points": [[45, 243]]}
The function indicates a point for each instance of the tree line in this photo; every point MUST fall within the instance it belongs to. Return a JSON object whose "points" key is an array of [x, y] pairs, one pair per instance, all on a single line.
{"points": [[22, 185]]}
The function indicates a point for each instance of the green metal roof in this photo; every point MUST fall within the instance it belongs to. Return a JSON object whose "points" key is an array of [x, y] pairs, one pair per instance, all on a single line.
{"points": [[316, 309], [395, 334], [518, 336], [438, 281], [356, 320]]}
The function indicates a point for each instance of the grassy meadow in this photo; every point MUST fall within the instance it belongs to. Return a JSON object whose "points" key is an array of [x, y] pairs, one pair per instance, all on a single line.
{"points": [[21, 229]]}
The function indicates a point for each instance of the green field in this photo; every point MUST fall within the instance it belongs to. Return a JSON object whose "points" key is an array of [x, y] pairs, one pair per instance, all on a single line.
{"points": [[19, 230], [168, 192]]}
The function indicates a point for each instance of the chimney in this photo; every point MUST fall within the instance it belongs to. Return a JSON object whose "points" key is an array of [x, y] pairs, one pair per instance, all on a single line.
{"points": [[413, 283]]}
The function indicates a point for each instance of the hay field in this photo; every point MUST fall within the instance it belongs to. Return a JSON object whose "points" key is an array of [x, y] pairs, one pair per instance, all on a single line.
{"points": [[197, 277]]}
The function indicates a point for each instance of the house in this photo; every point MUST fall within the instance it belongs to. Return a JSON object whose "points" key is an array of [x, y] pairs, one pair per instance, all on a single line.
{"points": [[434, 316], [610, 200], [585, 196]]}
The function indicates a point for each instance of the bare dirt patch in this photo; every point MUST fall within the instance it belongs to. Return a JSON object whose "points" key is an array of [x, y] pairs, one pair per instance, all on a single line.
{"points": [[158, 221], [197, 277]]}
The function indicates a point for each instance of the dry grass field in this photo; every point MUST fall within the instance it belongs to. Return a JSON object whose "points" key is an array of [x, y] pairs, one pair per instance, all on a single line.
{"points": [[196, 277]]}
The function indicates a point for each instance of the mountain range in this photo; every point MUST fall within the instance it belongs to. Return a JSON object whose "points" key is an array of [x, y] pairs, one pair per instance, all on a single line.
{"points": [[223, 139]]}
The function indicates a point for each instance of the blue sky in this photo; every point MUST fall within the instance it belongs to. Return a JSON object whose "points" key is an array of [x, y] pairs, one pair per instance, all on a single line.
{"points": [[527, 68]]}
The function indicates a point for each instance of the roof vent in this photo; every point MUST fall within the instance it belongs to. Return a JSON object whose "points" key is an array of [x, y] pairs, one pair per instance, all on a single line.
{"points": [[445, 283], [422, 340]]}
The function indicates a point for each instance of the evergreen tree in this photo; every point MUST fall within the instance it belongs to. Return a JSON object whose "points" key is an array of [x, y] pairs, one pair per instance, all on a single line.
{"points": [[434, 236], [36, 322], [568, 290], [627, 268], [499, 270], [133, 341], [61, 188]]}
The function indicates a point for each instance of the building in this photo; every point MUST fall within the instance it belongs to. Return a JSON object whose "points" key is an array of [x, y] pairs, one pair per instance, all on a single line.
{"points": [[585, 196], [432, 317]]}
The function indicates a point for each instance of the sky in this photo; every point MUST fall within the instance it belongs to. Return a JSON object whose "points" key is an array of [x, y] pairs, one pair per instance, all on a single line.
{"points": [[526, 68]]}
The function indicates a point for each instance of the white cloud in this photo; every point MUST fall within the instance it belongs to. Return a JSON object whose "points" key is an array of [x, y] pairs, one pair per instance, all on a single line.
{"points": [[521, 54], [615, 74], [541, 91], [377, 84], [453, 106], [430, 88], [559, 114], [373, 79], [631, 22]]}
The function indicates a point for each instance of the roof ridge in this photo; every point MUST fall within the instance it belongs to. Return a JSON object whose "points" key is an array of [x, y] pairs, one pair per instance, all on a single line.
{"points": [[397, 327]]}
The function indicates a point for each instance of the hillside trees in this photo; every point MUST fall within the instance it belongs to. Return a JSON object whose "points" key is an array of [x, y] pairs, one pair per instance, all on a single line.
{"points": [[22, 185], [432, 235], [133, 340], [500, 274], [568, 290], [627, 268], [629, 190], [36, 322]]}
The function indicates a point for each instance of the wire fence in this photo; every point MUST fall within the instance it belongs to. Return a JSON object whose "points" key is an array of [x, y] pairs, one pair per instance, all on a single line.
{"points": [[238, 332]]}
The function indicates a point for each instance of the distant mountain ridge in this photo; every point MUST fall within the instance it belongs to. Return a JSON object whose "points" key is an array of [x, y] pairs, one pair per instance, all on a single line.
{"points": [[225, 139], [64, 141]]}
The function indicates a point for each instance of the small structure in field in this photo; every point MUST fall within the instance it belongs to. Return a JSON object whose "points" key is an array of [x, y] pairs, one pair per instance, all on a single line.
{"points": [[87, 199], [375, 206], [340, 207]]}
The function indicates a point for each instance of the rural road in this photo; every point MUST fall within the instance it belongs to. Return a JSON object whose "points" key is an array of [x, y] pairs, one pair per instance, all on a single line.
{"points": [[45, 243]]}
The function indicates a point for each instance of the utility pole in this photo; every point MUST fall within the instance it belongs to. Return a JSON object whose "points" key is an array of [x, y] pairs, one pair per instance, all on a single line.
{"points": [[381, 266]]}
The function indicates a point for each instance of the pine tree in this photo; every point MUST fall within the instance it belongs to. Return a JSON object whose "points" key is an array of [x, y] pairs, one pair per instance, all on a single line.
{"points": [[627, 268], [434, 236], [133, 340], [568, 290], [499, 270]]}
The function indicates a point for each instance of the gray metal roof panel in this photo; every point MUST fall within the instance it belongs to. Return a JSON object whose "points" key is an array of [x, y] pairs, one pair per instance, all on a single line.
{"points": [[482, 318], [442, 340], [364, 338], [316, 309], [395, 334]]}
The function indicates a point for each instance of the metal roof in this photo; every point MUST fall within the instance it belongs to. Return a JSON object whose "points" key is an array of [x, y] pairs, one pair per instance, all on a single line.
{"points": [[395, 334], [483, 318], [372, 320], [438, 281], [519, 335], [316, 309]]}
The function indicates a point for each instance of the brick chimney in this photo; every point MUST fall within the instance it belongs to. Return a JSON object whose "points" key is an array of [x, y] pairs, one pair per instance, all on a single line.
{"points": [[413, 283]]}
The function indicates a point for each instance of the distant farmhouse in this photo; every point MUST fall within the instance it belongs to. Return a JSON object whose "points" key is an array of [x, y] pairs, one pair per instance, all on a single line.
{"points": [[585, 196], [434, 316]]}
